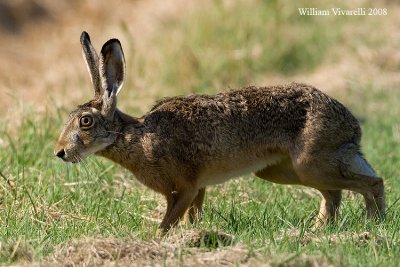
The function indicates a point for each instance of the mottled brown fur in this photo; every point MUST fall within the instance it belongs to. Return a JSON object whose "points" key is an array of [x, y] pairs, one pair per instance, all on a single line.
{"points": [[289, 134]]}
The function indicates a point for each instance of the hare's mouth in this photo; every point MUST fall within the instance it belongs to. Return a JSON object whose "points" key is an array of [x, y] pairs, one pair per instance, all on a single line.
{"points": [[71, 160], [68, 157], [75, 159]]}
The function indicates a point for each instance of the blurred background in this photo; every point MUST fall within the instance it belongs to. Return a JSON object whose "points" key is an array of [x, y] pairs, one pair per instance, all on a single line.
{"points": [[185, 46]]}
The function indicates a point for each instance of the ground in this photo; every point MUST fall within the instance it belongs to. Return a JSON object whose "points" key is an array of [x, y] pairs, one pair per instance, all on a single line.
{"points": [[95, 213]]}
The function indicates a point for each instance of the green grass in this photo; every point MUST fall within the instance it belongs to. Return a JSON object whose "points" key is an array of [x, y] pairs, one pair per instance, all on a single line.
{"points": [[220, 47], [45, 202]]}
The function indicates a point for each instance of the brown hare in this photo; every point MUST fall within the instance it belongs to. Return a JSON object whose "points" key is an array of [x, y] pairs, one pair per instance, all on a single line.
{"points": [[288, 134]]}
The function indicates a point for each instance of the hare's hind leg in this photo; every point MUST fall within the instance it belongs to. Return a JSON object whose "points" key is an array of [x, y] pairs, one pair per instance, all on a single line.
{"points": [[344, 169], [329, 209], [196, 206], [369, 184], [283, 173], [374, 197]]}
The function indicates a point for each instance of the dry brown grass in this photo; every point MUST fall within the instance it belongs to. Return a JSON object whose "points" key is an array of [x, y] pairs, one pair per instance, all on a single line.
{"points": [[41, 64], [190, 248], [187, 248]]}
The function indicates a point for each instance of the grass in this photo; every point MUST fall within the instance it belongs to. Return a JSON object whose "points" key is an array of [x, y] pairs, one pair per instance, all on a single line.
{"points": [[228, 46], [45, 202]]}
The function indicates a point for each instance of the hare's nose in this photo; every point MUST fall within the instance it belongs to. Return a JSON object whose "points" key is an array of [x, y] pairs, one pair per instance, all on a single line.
{"points": [[60, 153]]}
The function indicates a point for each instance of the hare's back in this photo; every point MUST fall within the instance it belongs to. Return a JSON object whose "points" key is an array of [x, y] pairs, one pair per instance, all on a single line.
{"points": [[268, 117]]}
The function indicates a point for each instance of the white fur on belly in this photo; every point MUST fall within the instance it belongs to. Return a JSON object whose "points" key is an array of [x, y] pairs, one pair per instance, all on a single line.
{"points": [[224, 171]]}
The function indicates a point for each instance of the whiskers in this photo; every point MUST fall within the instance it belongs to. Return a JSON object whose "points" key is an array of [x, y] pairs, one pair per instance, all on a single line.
{"points": [[80, 161], [77, 158], [84, 166], [115, 132]]}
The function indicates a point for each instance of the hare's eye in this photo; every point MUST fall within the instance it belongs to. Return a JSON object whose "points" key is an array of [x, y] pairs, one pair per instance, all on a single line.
{"points": [[86, 121]]}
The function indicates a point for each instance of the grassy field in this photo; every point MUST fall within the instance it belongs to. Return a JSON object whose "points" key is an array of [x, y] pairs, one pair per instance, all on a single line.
{"points": [[45, 203]]}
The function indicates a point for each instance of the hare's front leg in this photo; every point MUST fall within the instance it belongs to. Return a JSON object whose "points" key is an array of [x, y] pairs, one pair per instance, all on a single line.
{"points": [[196, 207], [329, 209], [177, 204]]}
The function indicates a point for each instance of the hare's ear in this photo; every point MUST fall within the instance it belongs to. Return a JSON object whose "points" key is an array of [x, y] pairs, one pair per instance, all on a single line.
{"points": [[92, 62], [112, 74]]}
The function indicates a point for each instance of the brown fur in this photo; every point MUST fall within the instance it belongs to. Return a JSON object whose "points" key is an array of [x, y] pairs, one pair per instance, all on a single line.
{"points": [[289, 134]]}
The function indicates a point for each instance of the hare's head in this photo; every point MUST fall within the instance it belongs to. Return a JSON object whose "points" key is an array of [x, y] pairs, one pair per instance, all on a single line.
{"points": [[92, 127]]}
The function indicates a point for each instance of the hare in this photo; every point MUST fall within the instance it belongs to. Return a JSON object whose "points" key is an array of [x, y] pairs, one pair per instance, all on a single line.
{"points": [[287, 134]]}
